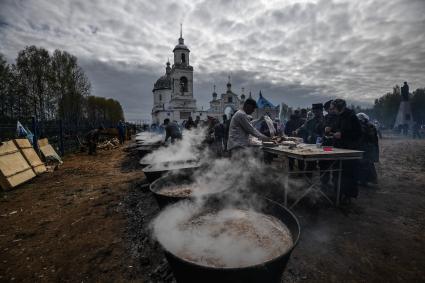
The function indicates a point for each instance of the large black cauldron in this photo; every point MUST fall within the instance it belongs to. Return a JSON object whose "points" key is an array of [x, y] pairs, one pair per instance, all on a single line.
{"points": [[169, 180], [267, 272], [155, 171]]}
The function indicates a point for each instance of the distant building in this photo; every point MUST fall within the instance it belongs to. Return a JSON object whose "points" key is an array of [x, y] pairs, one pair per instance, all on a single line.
{"points": [[229, 102], [173, 94]]}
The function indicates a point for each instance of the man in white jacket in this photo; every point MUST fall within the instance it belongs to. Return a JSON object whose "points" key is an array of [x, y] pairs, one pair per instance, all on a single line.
{"points": [[240, 128]]}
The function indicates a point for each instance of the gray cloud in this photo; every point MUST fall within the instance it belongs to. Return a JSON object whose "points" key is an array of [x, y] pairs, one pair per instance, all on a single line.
{"points": [[298, 52]]}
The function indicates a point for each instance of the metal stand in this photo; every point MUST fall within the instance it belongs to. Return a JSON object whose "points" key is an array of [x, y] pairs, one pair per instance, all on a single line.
{"points": [[337, 156], [316, 186]]}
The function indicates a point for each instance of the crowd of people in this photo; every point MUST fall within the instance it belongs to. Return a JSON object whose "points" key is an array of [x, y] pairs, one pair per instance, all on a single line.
{"points": [[330, 124], [339, 127]]}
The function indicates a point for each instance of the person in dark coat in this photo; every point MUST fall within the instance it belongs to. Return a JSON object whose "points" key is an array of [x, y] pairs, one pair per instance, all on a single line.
{"points": [[330, 122], [189, 123], [172, 130], [219, 133], [121, 131], [313, 128], [197, 121], [347, 135], [369, 144], [92, 138], [293, 123], [226, 123], [291, 126]]}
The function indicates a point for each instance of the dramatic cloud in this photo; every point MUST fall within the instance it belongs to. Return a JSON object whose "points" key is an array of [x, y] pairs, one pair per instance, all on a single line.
{"points": [[298, 52]]}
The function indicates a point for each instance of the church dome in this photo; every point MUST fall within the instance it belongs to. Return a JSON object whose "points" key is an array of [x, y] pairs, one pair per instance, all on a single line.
{"points": [[163, 82], [181, 45]]}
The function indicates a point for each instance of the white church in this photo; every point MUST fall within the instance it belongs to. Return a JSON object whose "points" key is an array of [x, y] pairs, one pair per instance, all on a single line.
{"points": [[173, 94]]}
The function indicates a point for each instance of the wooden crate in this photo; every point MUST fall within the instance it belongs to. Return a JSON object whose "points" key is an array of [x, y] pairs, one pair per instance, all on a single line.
{"points": [[14, 169], [46, 149], [30, 155]]}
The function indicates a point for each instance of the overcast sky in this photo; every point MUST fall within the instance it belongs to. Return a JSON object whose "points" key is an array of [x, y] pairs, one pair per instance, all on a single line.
{"points": [[297, 52]]}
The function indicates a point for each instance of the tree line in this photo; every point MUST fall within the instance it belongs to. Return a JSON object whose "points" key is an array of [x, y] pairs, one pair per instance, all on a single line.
{"points": [[386, 107], [52, 87]]}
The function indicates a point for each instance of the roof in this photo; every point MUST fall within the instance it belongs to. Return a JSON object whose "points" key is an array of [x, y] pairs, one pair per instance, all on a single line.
{"points": [[163, 82], [181, 45], [264, 103]]}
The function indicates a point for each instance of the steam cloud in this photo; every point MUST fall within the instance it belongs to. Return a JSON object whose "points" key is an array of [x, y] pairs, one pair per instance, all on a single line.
{"points": [[149, 136], [185, 149]]}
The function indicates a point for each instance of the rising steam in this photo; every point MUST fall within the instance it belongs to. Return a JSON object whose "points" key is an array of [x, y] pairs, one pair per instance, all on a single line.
{"points": [[185, 149]]}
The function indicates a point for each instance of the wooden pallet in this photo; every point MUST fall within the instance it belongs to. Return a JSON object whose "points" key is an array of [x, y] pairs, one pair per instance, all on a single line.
{"points": [[30, 155], [14, 168], [47, 150]]}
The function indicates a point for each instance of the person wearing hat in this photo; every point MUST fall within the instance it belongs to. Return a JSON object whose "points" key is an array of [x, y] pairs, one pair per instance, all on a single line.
{"points": [[347, 135], [240, 127]]}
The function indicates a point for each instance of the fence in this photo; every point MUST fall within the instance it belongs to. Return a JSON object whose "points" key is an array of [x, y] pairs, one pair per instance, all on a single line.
{"points": [[64, 138]]}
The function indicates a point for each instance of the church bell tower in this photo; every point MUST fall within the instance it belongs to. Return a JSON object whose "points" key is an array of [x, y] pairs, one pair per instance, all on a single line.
{"points": [[182, 70]]}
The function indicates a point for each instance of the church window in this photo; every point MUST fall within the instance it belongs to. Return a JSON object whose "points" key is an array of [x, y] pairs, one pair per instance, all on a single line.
{"points": [[160, 97], [183, 58], [183, 84], [230, 99]]}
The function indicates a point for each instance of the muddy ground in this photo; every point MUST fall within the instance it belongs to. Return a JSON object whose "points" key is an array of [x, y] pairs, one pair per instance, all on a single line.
{"points": [[88, 221]]}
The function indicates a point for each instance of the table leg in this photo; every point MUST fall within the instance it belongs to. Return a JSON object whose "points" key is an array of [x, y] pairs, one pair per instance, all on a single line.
{"points": [[338, 189]]}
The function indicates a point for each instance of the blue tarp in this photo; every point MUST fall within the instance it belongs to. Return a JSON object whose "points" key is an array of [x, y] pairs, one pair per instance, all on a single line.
{"points": [[263, 103], [22, 132]]}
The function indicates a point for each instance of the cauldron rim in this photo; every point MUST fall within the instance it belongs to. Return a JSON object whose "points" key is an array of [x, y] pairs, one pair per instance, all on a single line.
{"points": [[144, 147], [259, 265], [146, 163], [193, 164], [189, 197]]}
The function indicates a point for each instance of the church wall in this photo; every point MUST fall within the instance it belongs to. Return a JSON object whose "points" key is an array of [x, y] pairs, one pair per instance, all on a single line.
{"points": [[161, 96]]}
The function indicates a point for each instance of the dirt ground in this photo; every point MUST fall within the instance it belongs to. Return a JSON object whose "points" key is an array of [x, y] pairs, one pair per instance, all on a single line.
{"points": [[89, 221]]}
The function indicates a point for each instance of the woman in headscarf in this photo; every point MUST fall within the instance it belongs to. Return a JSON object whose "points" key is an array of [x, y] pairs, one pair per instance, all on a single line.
{"points": [[369, 144]]}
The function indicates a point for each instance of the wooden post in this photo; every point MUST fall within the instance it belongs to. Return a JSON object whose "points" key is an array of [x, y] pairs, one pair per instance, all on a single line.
{"points": [[35, 134], [61, 148]]}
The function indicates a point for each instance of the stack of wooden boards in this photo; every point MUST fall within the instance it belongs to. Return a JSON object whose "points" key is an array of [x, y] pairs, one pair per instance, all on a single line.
{"points": [[19, 163]]}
